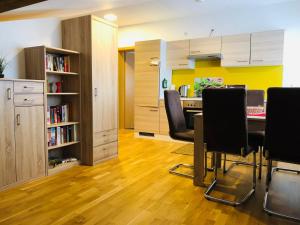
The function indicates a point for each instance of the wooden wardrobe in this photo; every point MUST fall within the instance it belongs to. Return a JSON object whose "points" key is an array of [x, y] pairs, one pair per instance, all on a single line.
{"points": [[96, 39]]}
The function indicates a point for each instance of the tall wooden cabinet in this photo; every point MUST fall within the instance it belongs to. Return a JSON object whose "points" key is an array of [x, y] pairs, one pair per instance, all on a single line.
{"points": [[22, 127], [96, 39]]}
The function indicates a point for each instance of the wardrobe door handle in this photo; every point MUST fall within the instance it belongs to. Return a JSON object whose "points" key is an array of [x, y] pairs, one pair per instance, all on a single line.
{"points": [[18, 119], [9, 93], [96, 92]]}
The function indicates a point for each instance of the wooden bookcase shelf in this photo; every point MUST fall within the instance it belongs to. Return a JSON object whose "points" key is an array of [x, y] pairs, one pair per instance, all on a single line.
{"points": [[57, 65], [59, 73], [64, 93], [62, 145], [62, 124]]}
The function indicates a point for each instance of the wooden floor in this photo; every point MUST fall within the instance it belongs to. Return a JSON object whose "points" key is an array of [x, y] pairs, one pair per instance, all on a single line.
{"points": [[136, 188]]}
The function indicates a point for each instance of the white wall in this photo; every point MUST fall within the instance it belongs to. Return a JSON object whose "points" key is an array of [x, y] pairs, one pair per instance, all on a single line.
{"points": [[16, 35], [279, 16]]}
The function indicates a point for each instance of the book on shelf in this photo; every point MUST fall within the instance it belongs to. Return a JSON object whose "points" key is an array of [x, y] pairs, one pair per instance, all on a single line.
{"points": [[59, 63], [62, 135], [58, 114]]}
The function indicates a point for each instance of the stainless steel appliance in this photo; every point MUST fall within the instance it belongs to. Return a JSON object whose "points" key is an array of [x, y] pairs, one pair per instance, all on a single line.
{"points": [[190, 108], [183, 90]]}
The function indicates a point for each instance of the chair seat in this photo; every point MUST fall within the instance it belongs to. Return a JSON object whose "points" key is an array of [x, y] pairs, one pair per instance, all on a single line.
{"points": [[186, 135], [256, 138]]}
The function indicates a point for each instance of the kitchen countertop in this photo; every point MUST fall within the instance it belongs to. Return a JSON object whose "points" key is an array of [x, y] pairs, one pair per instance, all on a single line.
{"points": [[188, 99]]}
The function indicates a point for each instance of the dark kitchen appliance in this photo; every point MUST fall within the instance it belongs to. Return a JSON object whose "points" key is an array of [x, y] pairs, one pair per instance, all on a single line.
{"points": [[190, 108]]}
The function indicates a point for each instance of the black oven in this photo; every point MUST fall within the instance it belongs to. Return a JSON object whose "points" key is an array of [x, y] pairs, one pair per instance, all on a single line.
{"points": [[190, 108]]}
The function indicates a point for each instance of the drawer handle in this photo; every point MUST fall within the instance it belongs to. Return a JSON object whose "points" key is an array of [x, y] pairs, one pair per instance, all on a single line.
{"points": [[183, 64], [27, 87], [242, 61], [153, 110], [154, 58], [193, 52], [26, 100], [9, 93], [18, 119], [257, 60]]}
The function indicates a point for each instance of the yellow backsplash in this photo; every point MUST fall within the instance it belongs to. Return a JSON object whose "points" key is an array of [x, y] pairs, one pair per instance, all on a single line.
{"points": [[261, 77]]}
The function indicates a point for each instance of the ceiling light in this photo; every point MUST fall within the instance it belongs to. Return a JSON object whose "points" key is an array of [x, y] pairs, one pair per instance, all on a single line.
{"points": [[110, 17]]}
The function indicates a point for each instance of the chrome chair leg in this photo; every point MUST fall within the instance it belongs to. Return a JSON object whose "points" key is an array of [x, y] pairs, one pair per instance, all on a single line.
{"points": [[268, 181], [174, 168], [260, 149], [224, 164], [227, 202]]}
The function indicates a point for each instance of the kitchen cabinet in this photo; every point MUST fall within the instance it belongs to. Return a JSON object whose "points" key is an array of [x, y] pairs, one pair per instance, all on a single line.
{"points": [[206, 46], [146, 119], [7, 137], [163, 119], [267, 48], [147, 73], [96, 40], [235, 50], [177, 55], [30, 142]]}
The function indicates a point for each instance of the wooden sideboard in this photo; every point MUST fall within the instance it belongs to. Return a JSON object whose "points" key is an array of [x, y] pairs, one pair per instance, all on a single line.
{"points": [[22, 128]]}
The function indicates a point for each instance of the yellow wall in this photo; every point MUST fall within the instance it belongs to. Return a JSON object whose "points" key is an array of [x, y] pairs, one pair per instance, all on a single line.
{"points": [[254, 77]]}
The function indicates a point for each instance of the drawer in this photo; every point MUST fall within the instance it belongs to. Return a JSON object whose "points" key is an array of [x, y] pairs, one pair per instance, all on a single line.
{"points": [[28, 87], [29, 99], [105, 137], [105, 151]]}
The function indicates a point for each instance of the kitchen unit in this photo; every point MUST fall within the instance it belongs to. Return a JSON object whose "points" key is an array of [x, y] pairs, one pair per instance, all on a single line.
{"points": [[150, 70], [96, 40], [22, 125], [256, 49], [177, 52], [236, 50], [205, 48]]}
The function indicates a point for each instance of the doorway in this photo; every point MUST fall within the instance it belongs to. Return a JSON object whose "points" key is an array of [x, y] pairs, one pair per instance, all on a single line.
{"points": [[126, 88]]}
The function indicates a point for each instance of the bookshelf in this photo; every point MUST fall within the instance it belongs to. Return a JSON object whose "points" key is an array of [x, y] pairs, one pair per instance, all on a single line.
{"points": [[60, 68]]}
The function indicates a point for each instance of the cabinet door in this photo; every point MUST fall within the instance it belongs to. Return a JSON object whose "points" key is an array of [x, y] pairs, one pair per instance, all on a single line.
{"points": [[177, 55], [105, 80], [236, 50], [146, 119], [7, 135], [30, 142], [205, 45], [163, 119], [146, 79], [267, 48]]}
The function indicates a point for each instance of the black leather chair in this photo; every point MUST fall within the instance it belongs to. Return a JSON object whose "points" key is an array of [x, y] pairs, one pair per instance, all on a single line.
{"points": [[177, 125], [256, 137], [225, 131], [282, 135], [255, 98]]}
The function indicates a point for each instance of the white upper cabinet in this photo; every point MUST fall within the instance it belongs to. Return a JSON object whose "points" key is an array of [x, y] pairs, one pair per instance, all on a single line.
{"points": [[236, 50], [267, 48], [177, 55], [204, 46]]}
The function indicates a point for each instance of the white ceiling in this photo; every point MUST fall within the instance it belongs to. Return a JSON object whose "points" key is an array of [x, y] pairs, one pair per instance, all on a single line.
{"points": [[131, 12]]}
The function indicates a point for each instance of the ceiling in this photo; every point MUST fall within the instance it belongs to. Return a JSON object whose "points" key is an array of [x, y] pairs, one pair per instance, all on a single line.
{"points": [[131, 12]]}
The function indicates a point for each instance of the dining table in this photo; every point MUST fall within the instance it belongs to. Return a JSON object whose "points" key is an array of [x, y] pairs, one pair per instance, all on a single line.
{"points": [[255, 123]]}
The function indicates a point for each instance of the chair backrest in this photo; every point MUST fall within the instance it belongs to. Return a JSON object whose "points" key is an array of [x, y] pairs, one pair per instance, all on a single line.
{"points": [[282, 134], [255, 98], [225, 120], [174, 112]]}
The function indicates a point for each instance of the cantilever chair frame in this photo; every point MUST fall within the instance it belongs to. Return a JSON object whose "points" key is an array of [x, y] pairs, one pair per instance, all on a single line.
{"points": [[271, 170], [213, 184]]}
